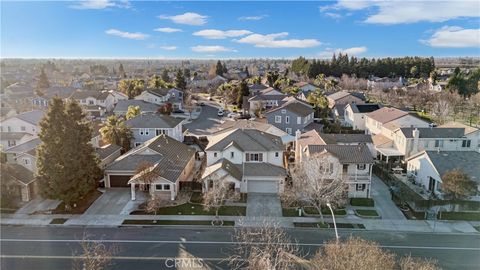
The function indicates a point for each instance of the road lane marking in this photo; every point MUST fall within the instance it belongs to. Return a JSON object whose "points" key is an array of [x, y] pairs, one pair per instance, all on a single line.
{"points": [[110, 257], [218, 243]]}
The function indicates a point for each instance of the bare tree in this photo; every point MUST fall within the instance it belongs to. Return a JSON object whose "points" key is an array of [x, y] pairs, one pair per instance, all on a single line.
{"points": [[216, 195], [441, 110], [352, 254], [145, 174], [190, 105], [458, 184], [95, 255], [154, 203], [264, 247], [410, 263], [316, 181]]}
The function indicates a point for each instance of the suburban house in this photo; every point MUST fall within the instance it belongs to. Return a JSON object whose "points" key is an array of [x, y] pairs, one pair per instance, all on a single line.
{"points": [[17, 183], [338, 100], [117, 96], [107, 154], [149, 125], [95, 103], [198, 82], [471, 133], [428, 167], [355, 114], [291, 116], [385, 83], [256, 88], [24, 154], [387, 119], [49, 93], [19, 128], [249, 159], [167, 160], [162, 96], [305, 87], [353, 163], [121, 107], [266, 99], [263, 127]]}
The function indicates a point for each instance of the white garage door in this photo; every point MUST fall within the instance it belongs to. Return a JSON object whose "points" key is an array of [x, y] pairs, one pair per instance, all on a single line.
{"points": [[262, 186]]}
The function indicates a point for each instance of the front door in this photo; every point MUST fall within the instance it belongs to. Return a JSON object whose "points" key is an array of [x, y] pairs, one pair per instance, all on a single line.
{"points": [[431, 184]]}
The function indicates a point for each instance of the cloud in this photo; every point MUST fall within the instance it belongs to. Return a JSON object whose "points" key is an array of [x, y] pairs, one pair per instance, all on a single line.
{"points": [[252, 18], [211, 49], [167, 30], [129, 35], [399, 12], [188, 18], [328, 52], [454, 37], [101, 4], [333, 15], [219, 34], [168, 48], [276, 41]]}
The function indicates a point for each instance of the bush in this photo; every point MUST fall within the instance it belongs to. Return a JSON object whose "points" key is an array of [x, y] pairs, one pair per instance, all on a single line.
{"points": [[362, 202], [469, 216]]}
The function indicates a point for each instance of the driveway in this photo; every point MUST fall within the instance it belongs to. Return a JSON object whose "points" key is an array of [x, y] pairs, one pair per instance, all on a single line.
{"points": [[112, 202], [383, 201], [263, 205], [38, 205]]}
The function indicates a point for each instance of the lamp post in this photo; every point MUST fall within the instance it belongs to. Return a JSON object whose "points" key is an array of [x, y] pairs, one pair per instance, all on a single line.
{"points": [[334, 223]]}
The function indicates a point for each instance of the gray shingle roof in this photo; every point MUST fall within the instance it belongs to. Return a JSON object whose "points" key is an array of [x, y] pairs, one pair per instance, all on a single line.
{"points": [[226, 165], [131, 162], [83, 94], [106, 151], [16, 172], [158, 92], [356, 154], [261, 169], [12, 135], [153, 120], [341, 94], [296, 107], [466, 161], [32, 117], [122, 106], [345, 138], [246, 140], [434, 132], [24, 147]]}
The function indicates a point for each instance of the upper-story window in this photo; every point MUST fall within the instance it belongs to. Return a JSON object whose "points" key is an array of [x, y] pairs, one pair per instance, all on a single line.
{"points": [[361, 166], [466, 143], [438, 143], [215, 154], [276, 154], [284, 111], [287, 119], [256, 157], [278, 119], [299, 120], [326, 168], [232, 154]]}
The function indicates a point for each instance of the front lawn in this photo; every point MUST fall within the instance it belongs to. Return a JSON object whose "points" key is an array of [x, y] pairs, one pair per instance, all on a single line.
{"points": [[362, 202], [325, 211], [173, 222], [366, 213], [290, 212], [469, 216], [81, 206], [58, 220], [196, 209], [310, 225]]}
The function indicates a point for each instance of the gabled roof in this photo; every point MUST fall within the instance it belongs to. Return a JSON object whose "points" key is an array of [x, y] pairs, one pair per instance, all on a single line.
{"points": [[24, 147], [122, 105], [153, 120], [33, 117], [257, 87], [158, 92], [345, 138], [246, 140], [341, 94], [355, 154], [13, 135], [266, 97], [364, 108], [107, 150], [386, 114], [438, 132], [468, 129], [83, 94], [58, 91], [226, 165], [261, 169], [295, 106], [16, 172]]}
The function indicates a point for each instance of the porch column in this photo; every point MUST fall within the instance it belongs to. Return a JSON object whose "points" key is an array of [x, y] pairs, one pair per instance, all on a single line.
{"points": [[172, 192], [132, 191]]}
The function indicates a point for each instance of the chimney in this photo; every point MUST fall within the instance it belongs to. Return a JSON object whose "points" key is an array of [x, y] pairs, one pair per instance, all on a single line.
{"points": [[416, 136]]}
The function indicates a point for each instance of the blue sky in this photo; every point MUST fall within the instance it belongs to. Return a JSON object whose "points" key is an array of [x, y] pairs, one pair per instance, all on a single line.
{"points": [[132, 29]]}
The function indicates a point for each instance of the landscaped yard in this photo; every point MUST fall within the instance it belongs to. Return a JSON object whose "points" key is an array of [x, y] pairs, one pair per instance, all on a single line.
{"points": [[470, 216], [325, 211], [81, 206], [58, 220], [173, 222], [290, 212], [310, 225], [196, 209], [366, 213], [362, 202]]}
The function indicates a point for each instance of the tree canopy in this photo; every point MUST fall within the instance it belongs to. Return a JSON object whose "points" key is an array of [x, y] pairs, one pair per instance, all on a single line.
{"points": [[115, 131]]}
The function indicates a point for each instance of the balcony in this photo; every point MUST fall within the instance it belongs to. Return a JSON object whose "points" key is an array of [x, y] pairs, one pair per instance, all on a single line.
{"points": [[358, 178]]}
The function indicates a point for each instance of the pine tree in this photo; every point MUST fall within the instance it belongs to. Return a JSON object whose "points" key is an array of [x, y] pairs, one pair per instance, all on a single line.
{"points": [[186, 73], [165, 76], [180, 82], [121, 71], [42, 83], [242, 92], [219, 68], [67, 164]]}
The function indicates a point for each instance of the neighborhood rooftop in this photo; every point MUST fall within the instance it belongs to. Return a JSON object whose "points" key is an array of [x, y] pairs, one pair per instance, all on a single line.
{"points": [[246, 140], [386, 114], [434, 132], [153, 120], [345, 153]]}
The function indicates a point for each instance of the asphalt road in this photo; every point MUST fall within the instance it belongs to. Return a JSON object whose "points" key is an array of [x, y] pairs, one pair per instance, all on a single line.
{"points": [[208, 120], [157, 247]]}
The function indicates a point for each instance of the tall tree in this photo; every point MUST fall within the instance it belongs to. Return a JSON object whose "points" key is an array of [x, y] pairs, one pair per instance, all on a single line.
{"points": [[115, 131], [186, 73], [219, 68], [42, 83], [132, 111], [458, 184], [121, 71], [67, 163], [156, 82], [165, 76], [180, 82], [243, 91]]}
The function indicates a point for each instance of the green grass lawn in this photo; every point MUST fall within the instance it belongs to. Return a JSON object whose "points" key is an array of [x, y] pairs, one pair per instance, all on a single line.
{"points": [[469, 216], [366, 213], [197, 209], [173, 222], [290, 212], [325, 211], [362, 202], [58, 220], [310, 225]]}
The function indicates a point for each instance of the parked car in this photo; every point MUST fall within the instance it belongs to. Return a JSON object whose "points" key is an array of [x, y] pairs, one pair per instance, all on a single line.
{"points": [[220, 112], [178, 111], [243, 116], [232, 115]]}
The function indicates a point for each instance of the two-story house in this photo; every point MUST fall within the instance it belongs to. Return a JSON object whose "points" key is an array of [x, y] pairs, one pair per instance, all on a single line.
{"points": [[95, 103], [48, 94], [166, 160], [338, 100], [266, 99], [291, 116], [20, 128], [355, 114], [387, 119], [147, 126], [250, 160]]}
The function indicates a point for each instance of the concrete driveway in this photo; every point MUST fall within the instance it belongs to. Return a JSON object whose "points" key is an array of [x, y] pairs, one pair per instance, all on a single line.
{"points": [[383, 200], [112, 202], [263, 205]]}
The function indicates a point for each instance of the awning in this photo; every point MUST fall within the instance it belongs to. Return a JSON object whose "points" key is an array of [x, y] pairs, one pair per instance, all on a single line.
{"points": [[389, 152]]}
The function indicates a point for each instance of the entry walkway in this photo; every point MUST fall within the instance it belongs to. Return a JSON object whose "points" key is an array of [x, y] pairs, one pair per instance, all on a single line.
{"points": [[383, 202]]}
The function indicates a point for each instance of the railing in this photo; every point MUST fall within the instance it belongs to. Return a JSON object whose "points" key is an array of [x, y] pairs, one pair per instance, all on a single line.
{"points": [[358, 177]]}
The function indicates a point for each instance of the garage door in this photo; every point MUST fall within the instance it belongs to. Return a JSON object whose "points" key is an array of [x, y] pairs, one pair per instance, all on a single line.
{"points": [[119, 180], [262, 186]]}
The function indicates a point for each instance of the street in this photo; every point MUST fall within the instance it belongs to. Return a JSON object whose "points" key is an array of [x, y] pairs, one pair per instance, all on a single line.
{"points": [[157, 247], [208, 121]]}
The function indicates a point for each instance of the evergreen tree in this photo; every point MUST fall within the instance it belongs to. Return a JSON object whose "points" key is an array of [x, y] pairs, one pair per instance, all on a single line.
{"points": [[67, 163], [224, 68], [115, 131], [186, 73], [242, 92], [180, 82], [165, 76], [219, 69], [246, 71], [42, 83], [121, 71]]}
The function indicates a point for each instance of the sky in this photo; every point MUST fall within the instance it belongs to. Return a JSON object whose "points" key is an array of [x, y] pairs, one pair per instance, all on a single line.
{"points": [[238, 29]]}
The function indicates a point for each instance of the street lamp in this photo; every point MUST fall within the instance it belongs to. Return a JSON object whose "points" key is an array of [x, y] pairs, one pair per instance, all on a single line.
{"points": [[334, 223]]}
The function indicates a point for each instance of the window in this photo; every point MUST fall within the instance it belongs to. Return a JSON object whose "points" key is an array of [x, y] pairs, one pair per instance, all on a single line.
{"points": [[276, 154], [326, 168], [466, 143], [90, 102], [160, 131], [138, 144], [258, 157], [159, 187], [287, 119], [232, 154], [147, 131], [361, 166], [215, 154], [26, 161], [288, 130], [278, 119], [438, 143], [11, 143], [23, 128], [299, 120], [166, 187], [284, 111], [360, 187], [141, 131]]}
